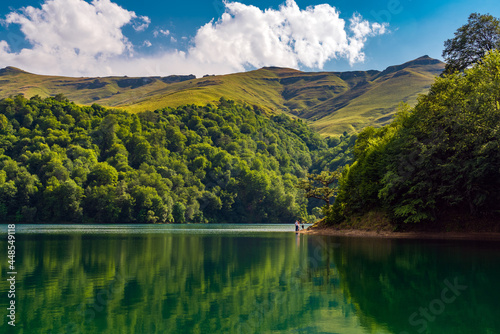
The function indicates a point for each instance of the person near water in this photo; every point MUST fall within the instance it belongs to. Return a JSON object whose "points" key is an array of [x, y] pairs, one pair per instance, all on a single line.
{"points": [[296, 226], [302, 225]]}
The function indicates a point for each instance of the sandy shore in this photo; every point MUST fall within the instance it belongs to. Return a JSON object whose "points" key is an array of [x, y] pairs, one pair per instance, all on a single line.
{"points": [[404, 235]]}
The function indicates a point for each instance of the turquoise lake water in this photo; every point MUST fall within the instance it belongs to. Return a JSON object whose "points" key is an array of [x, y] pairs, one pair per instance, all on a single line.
{"points": [[245, 279]]}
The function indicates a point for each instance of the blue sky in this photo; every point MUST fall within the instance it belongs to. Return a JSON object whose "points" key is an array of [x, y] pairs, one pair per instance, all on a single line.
{"points": [[125, 37]]}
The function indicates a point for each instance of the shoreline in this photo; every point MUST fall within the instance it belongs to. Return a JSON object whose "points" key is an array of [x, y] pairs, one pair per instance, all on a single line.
{"points": [[329, 231]]}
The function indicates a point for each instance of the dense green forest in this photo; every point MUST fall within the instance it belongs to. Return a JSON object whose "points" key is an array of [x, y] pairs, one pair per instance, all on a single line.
{"points": [[440, 159], [61, 162]]}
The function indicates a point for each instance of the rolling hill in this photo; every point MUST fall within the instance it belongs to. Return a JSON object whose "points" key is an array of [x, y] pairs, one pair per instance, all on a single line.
{"points": [[332, 102]]}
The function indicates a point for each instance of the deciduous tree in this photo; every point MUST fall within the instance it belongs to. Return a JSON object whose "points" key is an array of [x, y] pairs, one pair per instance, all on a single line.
{"points": [[471, 42]]}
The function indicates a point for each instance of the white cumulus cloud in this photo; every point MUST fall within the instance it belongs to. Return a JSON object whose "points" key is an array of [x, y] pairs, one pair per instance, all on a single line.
{"points": [[246, 35], [156, 33], [78, 38], [69, 36], [75, 25], [142, 23]]}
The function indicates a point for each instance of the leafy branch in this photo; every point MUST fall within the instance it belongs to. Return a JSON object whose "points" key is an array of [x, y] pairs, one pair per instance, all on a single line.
{"points": [[322, 186]]}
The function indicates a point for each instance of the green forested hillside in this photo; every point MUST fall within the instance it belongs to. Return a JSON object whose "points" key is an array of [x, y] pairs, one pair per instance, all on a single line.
{"points": [[438, 162], [333, 102], [61, 162]]}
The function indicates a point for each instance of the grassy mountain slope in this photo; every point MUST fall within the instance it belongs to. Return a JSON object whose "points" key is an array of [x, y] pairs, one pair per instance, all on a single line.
{"points": [[255, 87], [107, 91], [333, 102], [373, 102]]}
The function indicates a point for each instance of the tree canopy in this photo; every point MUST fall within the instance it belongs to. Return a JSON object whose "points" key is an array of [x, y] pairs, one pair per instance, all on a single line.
{"points": [[471, 42], [60, 162], [321, 186]]}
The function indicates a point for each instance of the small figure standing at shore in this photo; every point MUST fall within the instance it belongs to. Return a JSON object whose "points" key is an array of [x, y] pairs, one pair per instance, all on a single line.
{"points": [[302, 225], [296, 226]]}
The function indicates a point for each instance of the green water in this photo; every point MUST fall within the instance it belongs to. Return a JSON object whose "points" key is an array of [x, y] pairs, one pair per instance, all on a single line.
{"points": [[245, 279]]}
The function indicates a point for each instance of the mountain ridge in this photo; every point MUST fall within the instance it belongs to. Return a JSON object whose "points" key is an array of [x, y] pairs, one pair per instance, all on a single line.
{"points": [[333, 102]]}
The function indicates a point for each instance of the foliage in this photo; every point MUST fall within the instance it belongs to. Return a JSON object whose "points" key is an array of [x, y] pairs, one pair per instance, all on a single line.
{"points": [[321, 186], [225, 163], [338, 153], [441, 157], [471, 42], [360, 181]]}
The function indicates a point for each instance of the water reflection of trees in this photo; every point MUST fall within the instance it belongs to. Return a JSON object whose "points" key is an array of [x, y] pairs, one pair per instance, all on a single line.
{"points": [[195, 283], [389, 280], [175, 283]]}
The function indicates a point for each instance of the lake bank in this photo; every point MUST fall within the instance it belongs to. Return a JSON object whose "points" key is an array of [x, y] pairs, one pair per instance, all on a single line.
{"points": [[332, 231]]}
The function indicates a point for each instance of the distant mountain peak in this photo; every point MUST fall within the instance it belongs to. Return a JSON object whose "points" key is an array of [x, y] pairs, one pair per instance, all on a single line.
{"points": [[424, 60], [420, 61], [279, 70], [11, 70]]}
